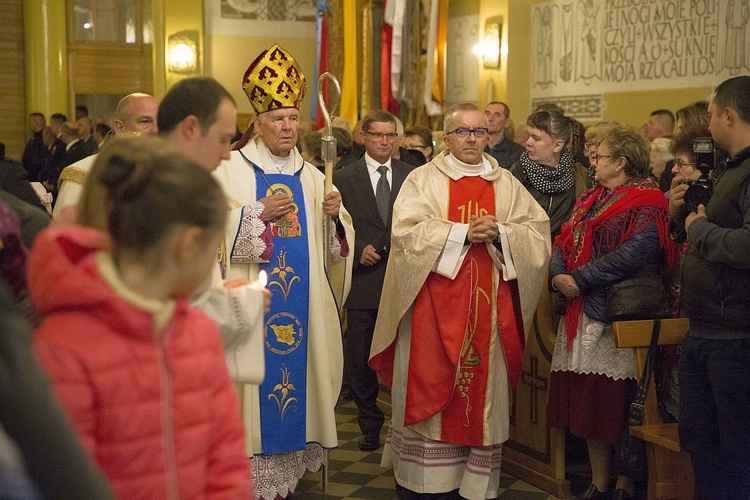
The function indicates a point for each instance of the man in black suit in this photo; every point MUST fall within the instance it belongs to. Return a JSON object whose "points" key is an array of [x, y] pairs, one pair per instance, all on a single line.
{"points": [[73, 152], [87, 139], [368, 188], [35, 152]]}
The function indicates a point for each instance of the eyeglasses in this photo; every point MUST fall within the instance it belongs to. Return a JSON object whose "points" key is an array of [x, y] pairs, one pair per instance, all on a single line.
{"points": [[390, 137], [464, 132], [681, 164], [595, 157]]}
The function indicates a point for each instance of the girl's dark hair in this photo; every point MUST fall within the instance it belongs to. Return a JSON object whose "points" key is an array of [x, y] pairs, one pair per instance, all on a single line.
{"points": [[554, 124], [142, 190]]}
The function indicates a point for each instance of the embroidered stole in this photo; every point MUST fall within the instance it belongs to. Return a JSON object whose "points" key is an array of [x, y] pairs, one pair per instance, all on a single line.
{"points": [[283, 393], [452, 323]]}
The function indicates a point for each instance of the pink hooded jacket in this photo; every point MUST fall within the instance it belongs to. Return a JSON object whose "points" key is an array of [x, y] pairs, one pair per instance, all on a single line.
{"points": [[156, 410]]}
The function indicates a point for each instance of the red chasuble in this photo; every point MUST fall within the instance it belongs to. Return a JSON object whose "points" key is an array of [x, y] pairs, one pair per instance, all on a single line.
{"points": [[452, 324]]}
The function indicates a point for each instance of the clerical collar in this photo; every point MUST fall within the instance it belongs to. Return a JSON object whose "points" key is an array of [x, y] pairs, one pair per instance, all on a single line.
{"points": [[468, 169], [273, 164]]}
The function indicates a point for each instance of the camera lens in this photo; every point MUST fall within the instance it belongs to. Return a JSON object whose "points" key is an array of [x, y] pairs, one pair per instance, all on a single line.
{"points": [[697, 194]]}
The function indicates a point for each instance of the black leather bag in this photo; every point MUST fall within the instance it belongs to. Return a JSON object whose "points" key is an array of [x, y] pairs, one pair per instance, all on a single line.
{"points": [[642, 297], [630, 451]]}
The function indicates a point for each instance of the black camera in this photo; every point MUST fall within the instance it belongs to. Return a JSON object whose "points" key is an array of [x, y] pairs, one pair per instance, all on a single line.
{"points": [[700, 191]]}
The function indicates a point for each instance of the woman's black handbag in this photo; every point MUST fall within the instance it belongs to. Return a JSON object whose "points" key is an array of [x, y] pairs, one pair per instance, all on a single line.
{"points": [[642, 297], [630, 451]]}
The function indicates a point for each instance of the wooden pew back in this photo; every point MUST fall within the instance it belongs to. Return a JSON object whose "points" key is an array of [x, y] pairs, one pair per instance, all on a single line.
{"points": [[670, 472]]}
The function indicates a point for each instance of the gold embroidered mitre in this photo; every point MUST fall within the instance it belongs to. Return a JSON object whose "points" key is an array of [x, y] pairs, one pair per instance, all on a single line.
{"points": [[274, 80]]}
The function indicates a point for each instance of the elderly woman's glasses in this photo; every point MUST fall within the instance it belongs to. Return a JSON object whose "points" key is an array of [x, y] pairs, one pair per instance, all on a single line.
{"points": [[464, 132], [595, 157], [682, 164]]}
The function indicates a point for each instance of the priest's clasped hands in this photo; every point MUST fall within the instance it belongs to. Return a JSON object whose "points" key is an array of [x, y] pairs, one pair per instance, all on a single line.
{"points": [[279, 204], [482, 229]]}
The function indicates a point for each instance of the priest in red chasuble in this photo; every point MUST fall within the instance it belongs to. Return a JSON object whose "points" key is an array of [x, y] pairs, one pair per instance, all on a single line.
{"points": [[469, 255]]}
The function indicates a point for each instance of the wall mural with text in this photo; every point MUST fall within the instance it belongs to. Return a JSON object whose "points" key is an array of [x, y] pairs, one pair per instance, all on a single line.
{"points": [[583, 48]]}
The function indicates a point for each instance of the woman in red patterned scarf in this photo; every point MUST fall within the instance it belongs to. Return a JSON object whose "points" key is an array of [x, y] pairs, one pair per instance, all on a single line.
{"points": [[618, 230]]}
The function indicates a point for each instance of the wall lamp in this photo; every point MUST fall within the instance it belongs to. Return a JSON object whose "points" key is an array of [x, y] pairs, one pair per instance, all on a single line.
{"points": [[489, 49], [182, 52]]}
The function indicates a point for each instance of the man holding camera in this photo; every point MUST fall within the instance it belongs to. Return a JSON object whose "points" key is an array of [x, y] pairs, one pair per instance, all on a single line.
{"points": [[368, 188], [714, 372]]}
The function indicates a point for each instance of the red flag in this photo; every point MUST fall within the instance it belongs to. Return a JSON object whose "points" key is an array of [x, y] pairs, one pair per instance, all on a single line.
{"points": [[387, 101]]}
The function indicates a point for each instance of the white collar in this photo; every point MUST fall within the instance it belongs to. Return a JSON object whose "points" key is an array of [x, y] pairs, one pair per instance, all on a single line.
{"points": [[373, 165], [468, 169]]}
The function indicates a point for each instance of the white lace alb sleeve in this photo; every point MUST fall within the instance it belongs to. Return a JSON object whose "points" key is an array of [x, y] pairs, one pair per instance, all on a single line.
{"points": [[248, 244]]}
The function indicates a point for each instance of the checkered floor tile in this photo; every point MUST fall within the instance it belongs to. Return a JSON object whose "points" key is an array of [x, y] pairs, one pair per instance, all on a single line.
{"points": [[356, 474]]}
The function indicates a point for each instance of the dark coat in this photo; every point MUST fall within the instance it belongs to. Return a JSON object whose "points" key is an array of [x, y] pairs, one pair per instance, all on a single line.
{"points": [[640, 253], [33, 219], [715, 273], [55, 162], [506, 152], [56, 461], [77, 152], [412, 157], [358, 197], [90, 146], [14, 181], [559, 206], [34, 156]]}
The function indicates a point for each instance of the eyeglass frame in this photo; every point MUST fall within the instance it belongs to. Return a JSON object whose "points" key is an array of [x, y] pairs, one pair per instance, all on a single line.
{"points": [[379, 136], [595, 157], [468, 132], [681, 164]]}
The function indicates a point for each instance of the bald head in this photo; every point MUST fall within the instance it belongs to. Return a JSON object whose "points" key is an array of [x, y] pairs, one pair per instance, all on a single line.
{"points": [[69, 131], [136, 113]]}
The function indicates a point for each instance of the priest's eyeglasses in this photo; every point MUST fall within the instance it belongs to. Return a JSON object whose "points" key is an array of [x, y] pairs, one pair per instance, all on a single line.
{"points": [[464, 132], [390, 137]]}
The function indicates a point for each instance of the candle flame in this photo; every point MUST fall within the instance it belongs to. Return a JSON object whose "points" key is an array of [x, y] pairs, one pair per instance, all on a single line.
{"points": [[263, 278]]}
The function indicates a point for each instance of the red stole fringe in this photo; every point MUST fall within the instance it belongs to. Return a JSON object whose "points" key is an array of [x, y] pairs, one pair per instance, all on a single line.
{"points": [[625, 211]]}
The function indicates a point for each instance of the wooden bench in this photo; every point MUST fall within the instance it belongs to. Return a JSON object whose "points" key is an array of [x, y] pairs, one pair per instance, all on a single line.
{"points": [[670, 470]]}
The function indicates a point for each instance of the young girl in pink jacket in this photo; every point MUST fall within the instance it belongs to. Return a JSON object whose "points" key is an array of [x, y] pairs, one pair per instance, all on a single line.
{"points": [[140, 372]]}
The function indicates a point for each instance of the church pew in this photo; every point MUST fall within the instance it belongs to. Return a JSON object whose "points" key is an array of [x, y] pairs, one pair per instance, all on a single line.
{"points": [[670, 471]]}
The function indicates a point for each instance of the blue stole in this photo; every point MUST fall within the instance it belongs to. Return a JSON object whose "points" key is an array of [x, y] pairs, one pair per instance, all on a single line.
{"points": [[283, 393]]}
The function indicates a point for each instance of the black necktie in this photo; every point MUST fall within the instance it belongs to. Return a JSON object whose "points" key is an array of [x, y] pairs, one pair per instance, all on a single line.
{"points": [[383, 193]]}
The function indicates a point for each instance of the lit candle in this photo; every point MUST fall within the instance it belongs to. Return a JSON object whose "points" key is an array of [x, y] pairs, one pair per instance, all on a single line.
{"points": [[263, 278]]}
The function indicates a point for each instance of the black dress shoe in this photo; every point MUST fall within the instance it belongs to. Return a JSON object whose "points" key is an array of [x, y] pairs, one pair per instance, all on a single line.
{"points": [[622, 494], [593, 493], [369, 442]]}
